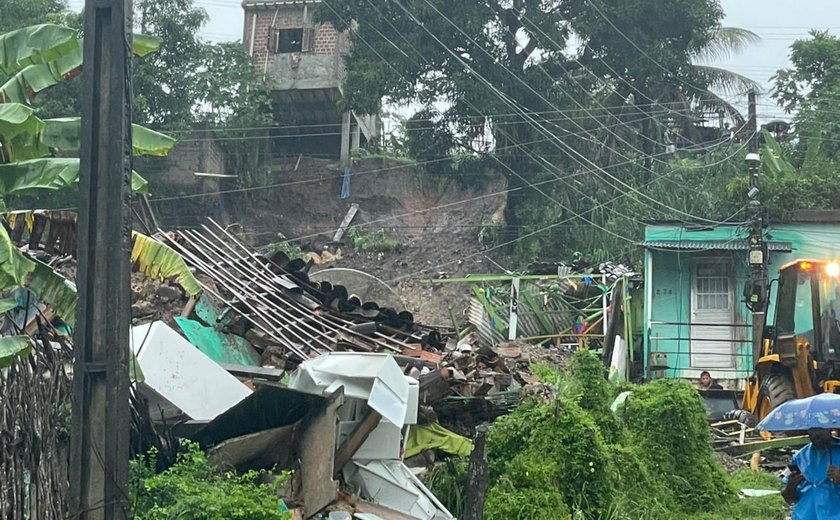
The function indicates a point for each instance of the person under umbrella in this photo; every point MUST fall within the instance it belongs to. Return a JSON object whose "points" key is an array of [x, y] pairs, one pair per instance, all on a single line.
{"points": [[812, 483]]}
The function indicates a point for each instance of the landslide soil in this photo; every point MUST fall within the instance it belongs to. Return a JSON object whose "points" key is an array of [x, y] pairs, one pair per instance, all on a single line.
{"points": [[437, 222]]}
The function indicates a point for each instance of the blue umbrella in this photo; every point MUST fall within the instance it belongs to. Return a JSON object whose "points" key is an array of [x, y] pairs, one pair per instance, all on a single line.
{"points": [[819, 411]]}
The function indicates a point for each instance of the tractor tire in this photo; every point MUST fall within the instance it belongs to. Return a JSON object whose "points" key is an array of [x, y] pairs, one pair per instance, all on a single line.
{"points": [[742, 416], [775, 390]]}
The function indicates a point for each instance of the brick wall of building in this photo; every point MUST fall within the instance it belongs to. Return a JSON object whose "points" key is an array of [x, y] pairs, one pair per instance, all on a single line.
{"points": [[326, 39]]}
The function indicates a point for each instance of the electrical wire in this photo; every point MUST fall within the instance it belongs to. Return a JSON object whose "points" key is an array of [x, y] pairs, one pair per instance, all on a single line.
{"points": [[504, 97]]}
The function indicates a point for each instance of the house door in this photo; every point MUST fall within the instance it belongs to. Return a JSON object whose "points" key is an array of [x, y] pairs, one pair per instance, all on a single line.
{"points": [[712, 312]]}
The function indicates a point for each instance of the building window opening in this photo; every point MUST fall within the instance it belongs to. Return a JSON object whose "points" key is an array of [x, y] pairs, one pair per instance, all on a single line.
{"points": [[289, 40]]}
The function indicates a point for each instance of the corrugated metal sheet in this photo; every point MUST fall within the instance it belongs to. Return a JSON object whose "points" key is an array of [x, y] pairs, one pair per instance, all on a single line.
{"points": [[559, 315], [713, 245]]}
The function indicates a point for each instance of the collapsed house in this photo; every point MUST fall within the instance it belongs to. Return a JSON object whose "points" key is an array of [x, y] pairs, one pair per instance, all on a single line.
{"points": [[268, 369]]}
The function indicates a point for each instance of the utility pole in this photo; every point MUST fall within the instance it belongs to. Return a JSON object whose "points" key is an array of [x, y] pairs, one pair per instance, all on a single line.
{"points": [[757, 301], [100, 434]]}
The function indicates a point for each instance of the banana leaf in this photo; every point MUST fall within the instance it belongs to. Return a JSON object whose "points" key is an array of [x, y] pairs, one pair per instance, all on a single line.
{"points": [[17, 119], [159, 262], [145, 44], [8, 304], [14, 266], [12, 348], [18, 270], [153, 258], [54, 290], [774, 158], [35, 45], [28, 82], [20, 132], [64, 135], [50, 174]]}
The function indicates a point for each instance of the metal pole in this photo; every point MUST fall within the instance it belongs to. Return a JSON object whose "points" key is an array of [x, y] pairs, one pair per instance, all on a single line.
{"points": [[513, 320], [757, 302], [100, 435]]}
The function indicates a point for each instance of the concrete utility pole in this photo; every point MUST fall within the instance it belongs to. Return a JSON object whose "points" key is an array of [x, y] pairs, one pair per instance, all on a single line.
{"points": [[100, 436], [757, 301]]}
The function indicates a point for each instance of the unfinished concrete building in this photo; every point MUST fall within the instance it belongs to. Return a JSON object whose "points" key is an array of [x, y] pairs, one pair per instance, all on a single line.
{"points": [[302, 62]]}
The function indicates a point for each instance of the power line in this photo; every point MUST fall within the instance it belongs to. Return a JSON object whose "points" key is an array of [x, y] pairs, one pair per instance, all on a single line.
{"points": [[502, 95]]}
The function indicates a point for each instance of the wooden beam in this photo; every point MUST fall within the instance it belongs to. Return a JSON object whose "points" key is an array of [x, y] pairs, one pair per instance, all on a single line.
{"points": [[356, 438], [348, 218]]}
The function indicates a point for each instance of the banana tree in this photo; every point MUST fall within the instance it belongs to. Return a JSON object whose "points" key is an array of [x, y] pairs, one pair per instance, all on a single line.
{"points": [[42, 56], [37, 58], [154, 259]]}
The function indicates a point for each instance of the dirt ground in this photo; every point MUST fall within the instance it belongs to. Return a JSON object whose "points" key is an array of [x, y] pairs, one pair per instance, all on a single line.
{"points": [[436, 221]]}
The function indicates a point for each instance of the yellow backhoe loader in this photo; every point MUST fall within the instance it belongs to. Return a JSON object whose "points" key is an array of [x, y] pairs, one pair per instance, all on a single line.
{"points": [[800, 354]]}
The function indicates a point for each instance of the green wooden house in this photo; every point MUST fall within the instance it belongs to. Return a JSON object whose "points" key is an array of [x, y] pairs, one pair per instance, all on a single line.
{"points": [[695, 316]]}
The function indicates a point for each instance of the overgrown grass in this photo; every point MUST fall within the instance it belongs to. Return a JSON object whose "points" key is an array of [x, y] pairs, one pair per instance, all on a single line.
{"points": [[379, 241], [575, 459], [193, 489]]}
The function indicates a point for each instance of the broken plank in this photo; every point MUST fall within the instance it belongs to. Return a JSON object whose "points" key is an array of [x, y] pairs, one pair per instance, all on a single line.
{"points": [[740, 450], [348, 218], [355, 440], [318, 489]]}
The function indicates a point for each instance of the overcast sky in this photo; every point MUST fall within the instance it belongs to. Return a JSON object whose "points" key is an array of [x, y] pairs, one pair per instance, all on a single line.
{"points": [[778, 22]]}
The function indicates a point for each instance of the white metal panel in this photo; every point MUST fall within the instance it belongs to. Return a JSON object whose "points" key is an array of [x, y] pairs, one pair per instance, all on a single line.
{"points": [[712, 312], [182, 374]]}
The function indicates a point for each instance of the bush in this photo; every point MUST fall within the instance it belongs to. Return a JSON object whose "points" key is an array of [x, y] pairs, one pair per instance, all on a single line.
{"points": [[575, 458], [192, 489], [666, 420], [551, 447]]}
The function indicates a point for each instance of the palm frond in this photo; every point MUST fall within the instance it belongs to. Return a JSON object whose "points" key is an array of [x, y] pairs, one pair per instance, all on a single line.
{"points": [[726, 81], [726, 41]]}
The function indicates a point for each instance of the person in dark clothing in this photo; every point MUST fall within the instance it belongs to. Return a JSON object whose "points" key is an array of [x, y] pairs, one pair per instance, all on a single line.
{"points": [[707, 383]]}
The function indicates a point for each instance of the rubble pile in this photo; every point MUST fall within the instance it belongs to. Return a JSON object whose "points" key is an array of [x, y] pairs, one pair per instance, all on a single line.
{"points": [[268, 369]]}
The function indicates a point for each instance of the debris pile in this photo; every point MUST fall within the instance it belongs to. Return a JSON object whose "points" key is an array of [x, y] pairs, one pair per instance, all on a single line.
{"points": [[268, 368]]}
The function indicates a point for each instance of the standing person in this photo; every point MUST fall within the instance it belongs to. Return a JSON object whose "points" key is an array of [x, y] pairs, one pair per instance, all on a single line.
{"points": [[707, 383], [812, 482]]}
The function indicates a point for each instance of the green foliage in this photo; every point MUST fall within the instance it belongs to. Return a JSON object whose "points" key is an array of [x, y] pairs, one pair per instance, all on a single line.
{"points": [[15, 14], [666, 420], [531, 504], [192, 489], [13, 348], [447, 481], [654, 460], [554, 448], [380, 240], [291, 250]]}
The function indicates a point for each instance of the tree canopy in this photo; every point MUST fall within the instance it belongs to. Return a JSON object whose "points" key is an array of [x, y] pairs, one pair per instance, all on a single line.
{"points": [[575, 101]]}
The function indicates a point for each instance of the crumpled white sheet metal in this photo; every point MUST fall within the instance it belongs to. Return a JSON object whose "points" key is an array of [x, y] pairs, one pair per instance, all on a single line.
{"points": [[375, 378], [391, 484]]}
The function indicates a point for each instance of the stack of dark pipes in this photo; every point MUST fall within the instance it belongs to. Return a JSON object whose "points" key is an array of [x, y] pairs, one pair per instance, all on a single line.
{"points": [[275, 295]]}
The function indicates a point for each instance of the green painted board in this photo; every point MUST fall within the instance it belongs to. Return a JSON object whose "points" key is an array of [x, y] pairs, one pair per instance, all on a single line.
{"points": [[221, 348], [206, 311]]}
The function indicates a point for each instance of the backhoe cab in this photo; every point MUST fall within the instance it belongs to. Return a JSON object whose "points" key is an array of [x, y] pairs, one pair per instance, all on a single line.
{"points": [[801, 353]]}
